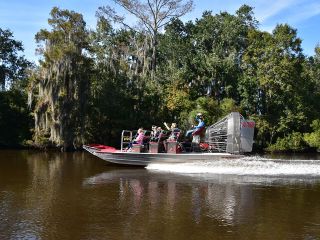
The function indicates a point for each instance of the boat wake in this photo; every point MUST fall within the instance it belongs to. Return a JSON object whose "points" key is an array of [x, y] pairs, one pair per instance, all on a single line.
{"points": [[246, 171], [248, 166]]}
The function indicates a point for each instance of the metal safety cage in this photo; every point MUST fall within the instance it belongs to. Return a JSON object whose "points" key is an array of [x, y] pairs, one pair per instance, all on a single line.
{"points": [[216, 136], [231, 134]]}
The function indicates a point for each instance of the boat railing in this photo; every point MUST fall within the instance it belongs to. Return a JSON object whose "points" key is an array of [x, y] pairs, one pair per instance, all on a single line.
{"points": [[126, 139]]}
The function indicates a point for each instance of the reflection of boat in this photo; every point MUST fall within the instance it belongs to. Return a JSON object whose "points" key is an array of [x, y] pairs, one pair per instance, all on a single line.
{"points": [[229, 200], [224, 140]]}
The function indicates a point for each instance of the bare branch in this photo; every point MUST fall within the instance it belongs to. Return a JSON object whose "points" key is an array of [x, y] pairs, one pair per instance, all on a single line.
{"points": [[137, 9], [153, 15], [152, 10]]}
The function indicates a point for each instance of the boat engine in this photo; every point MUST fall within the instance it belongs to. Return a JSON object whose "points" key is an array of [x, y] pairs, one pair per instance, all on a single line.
{"points": [[232, 134]]}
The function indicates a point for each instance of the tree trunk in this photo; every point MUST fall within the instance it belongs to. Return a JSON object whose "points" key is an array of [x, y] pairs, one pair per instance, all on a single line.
{"points": [[154, 54]]}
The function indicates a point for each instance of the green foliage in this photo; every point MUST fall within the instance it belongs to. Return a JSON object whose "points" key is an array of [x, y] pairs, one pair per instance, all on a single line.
{"points": [[12, 65], [273, 84], [228, 105], [293, 142], [15, 119], [205, 105], [313, 139]]}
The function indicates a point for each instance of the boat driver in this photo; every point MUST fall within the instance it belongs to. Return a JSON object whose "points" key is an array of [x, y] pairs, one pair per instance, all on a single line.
{"points": [[198, 128]]}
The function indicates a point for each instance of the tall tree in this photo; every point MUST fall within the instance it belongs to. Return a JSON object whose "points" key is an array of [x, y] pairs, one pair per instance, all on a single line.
{"points": [[312, 71], [12, 65], [14, 115], [220, 41], [273, 84], [110, 96], [61, 88], [121, 97], [152, 15]]}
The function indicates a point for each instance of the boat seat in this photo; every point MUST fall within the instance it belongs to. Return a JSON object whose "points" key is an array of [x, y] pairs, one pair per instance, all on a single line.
{"points": [[196, 139], [172, 147], [160, 141], [137, 148], [154, 147], [174, 136], [199, 135], [199, 131]]}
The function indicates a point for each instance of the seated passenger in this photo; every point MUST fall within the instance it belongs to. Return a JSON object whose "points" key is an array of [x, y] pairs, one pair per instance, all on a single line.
{"points": [[161, 138], [197, 129], [138, 139], [174, 131], [159, 131], [153, 133], [172, 128]]}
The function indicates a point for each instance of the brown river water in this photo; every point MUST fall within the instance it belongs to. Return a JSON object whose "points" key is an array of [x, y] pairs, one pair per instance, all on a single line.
{"points": [[78, 196]]}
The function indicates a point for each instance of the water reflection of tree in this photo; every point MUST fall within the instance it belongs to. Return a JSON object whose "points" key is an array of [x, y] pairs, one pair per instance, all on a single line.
{"points": [[173, 202], [47, 201], [221, 202]]}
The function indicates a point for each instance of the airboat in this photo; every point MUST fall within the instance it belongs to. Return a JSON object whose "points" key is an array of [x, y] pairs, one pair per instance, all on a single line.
{"points": [[229, 138]]}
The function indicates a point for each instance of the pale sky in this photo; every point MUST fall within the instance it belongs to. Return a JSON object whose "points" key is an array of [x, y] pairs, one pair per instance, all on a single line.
{"points": [[26, 17]]}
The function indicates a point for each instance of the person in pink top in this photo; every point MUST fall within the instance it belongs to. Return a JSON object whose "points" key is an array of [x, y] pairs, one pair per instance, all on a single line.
{"points": [[139, 138]]}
